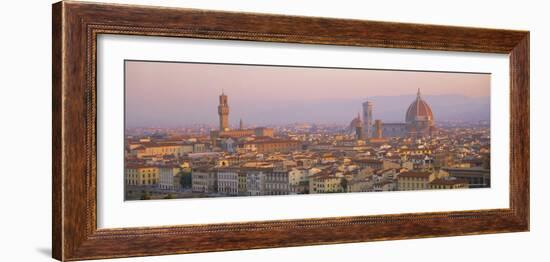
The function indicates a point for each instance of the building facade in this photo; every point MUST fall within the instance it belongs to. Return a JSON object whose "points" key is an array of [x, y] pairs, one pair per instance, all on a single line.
{"points": [[394, 129], [297, 175], [360, 185], [277, 183], [272, 145], [162, 149], [255, 181], [204, 181], [325, 183], [242, 183], [228, 181], [166, 177], [387, 185], [414, 180], [141, 175], [476, 177], [376, 164]]}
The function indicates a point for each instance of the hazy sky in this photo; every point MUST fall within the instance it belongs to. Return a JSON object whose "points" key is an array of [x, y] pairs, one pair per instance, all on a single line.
{"points": [[177, 94]]}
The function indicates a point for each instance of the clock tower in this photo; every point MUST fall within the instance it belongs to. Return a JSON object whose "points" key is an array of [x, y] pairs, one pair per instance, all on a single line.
{"points": [[223, 113]]}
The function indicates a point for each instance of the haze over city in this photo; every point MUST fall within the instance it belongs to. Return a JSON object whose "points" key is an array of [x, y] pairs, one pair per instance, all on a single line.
{"points": [[179, 94]]}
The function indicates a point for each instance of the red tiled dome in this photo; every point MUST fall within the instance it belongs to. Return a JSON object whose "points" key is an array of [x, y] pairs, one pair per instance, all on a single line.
{"points": [[419, 110]]}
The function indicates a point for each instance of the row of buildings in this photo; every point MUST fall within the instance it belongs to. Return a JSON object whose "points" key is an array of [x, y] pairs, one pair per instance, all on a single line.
{"points": [[299, 173], [159, 176], [233, 181]]}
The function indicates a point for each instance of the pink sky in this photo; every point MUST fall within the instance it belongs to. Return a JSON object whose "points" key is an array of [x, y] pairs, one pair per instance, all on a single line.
{"points": [[186, 93]]}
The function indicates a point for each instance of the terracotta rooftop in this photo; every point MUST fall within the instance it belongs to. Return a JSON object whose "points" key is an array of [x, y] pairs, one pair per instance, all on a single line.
{"points": [[153, 144], [272, 141], [415, 174], [134, 165], [368, 161]]}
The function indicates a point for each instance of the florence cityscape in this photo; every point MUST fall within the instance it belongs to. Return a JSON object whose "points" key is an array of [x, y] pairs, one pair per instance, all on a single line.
{"points": [[215, 130]]}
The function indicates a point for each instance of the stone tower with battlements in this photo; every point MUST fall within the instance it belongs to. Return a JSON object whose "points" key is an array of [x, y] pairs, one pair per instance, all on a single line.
{"points": [[223, 113]]}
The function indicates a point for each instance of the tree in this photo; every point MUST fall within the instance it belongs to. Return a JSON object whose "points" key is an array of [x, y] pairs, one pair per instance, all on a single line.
{"points": [[185, 179], [169, 196], [145, 196], [344, 184], [128, 194]]}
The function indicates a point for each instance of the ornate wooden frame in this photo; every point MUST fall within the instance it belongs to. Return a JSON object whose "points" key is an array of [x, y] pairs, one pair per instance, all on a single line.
{"points": [[76, 26]]}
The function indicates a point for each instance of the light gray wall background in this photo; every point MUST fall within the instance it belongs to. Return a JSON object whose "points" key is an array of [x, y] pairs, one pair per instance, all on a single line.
{"points": [[25, 106]]}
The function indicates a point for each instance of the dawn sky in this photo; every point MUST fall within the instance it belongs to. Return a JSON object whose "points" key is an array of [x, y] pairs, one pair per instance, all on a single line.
{"points": [[178, 94]]}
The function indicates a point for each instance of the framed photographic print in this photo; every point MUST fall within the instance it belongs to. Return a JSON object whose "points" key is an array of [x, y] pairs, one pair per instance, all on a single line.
{"points": [[182, 130]]}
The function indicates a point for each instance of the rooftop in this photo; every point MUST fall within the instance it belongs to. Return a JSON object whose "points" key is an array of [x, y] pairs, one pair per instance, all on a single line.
{"points": [[415, 174]]}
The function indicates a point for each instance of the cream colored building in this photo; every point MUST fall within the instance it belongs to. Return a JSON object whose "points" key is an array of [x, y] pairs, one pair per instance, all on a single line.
{"points": [[199, 147], [325, 183], [297, 175], [242, 183], [360, 185], [414, 180], [139, 175], [154, 149], [419, 151], [376, 164]]}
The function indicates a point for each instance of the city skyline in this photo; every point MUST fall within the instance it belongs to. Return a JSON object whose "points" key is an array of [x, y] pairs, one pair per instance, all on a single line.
{"points": [[369, 151], [177, 87]]}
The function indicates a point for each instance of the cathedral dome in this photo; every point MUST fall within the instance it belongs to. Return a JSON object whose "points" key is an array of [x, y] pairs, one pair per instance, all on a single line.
{"points": [[419, 110]]}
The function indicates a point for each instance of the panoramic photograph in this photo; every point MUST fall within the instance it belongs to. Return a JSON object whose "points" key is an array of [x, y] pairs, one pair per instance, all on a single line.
{"points": [[198, 130]]}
